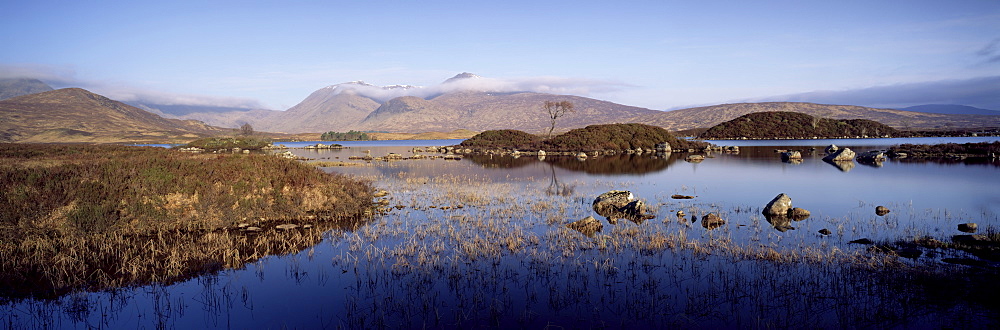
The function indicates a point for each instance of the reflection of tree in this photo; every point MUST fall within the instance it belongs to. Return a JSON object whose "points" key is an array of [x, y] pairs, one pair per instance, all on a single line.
{"points": [[616, 164], [556, 188]]}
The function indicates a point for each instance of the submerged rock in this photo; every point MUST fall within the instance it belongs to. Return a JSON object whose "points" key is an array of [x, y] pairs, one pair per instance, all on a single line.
{"points": [[681, 197], [799, 214], [831, 149], [909, 252], [968, 227], [694, 158], [862, 241], [871, 156], [881, 210], [712, 221], [825, 231], [287, 226], [588, 226]]}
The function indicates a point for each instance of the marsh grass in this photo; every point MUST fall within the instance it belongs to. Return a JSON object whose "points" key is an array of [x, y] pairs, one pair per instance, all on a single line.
{"points": [[505, 260], [96, 217]]}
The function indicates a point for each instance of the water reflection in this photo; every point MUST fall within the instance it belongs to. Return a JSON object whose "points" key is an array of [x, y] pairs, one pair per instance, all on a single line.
{"points": [[842, 165], [605, 165]]}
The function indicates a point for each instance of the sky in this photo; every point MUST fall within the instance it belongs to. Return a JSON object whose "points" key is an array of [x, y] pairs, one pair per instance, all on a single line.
{"points": [[653, 54]]}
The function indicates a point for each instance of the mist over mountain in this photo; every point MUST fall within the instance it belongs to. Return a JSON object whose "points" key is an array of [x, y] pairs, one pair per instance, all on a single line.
{"points": [[12, 87], [952, 109], [703, 117]]}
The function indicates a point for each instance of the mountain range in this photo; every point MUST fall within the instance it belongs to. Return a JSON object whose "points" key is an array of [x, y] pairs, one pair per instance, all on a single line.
{"points": [[403, 108], [458, 103]]}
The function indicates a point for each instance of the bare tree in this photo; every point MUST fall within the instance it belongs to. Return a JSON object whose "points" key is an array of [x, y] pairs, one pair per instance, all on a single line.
{"points": [[246, 129], [556, 110]]}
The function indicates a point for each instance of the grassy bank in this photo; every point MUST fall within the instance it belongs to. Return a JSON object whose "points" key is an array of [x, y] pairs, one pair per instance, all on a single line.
{"points": [[85, 216]]}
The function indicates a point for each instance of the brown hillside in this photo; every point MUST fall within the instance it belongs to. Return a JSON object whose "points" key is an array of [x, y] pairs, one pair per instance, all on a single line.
{"points": [[712, 115], [479, 111], [77, 115]]}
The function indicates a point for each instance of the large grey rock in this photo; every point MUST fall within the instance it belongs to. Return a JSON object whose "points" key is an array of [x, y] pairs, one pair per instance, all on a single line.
{"points": [[621, 204], [844, 154], [790, 155], [663, 147], [779, 206]]}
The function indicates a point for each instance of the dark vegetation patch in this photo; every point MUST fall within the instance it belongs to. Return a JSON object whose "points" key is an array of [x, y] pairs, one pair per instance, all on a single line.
{"points": [[796, 125], [503, 138], [947, 150], [98, 216], [349, 136], [615, 137]]}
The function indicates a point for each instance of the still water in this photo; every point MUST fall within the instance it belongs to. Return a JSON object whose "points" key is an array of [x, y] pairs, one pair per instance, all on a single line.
{"points": [[482, 242]]}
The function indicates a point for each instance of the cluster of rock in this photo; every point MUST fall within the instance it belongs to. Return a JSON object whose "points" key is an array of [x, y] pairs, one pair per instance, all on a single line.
{"points": [[247, 228], [780, 213], [324, 146], [842, 158], [661, 149], [621, 204], [416, 155]]}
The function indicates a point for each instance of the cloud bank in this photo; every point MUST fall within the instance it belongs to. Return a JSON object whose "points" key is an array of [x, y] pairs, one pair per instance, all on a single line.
{"points": [[982, 92], [64, 77], [470, 82]]}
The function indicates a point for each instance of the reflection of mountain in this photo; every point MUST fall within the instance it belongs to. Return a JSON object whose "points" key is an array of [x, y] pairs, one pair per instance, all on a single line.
{"points": [[617, 164]]}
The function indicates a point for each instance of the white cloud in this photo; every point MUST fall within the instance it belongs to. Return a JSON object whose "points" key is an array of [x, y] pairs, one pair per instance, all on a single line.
{"points": [[64, 77], [552, 85], [979, 92]]}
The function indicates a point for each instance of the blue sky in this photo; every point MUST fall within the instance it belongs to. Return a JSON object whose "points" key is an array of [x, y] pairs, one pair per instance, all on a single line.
{"points": [[654, 54]]}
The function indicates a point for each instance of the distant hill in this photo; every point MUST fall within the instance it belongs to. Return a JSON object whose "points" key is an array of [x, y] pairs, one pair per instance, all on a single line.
{"points": [[480, 111], [77, 115], [795, 125], [21, 86], [953, 109], [709, 116]]}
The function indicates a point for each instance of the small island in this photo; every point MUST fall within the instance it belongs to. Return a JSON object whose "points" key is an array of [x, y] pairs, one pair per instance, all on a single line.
{"points": [[593, 139], [796, 125]]}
